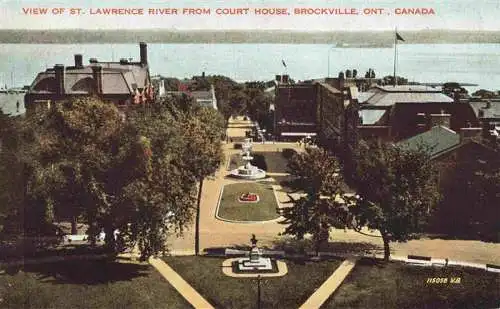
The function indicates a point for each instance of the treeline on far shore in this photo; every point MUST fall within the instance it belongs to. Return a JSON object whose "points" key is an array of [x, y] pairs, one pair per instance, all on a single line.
{"points": [[243, 36]]}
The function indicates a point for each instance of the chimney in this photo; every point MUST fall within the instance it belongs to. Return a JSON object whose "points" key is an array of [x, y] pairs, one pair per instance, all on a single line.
{"points": [[78, 61], [97, 75], [285, 79], [59, 70], [468, 134], [144, 53], [93, 60], [440, 120]]}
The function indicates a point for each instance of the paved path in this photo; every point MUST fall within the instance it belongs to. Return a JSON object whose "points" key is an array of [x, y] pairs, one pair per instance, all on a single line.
{"points": [[216, 233], [330, 285], [190, 294]]}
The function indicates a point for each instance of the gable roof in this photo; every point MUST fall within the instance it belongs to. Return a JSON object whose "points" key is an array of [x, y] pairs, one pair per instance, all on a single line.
{"points": [[117, 78], [390, 95], [439, 139], [484, 110]]}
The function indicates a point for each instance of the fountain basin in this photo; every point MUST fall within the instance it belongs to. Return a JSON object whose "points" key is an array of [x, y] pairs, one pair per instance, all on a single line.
{"points": [[243, 172]]}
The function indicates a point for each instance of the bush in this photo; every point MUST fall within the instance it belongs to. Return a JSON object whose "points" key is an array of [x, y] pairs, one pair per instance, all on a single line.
{"points": [[288, 153], [238, 146]]}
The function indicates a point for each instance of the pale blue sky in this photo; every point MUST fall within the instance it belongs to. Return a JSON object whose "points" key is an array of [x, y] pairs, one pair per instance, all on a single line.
{"points": [[458, 14]]}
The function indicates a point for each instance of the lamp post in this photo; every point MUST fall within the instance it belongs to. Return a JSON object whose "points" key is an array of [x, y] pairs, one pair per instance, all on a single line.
{"points": [[258, 292], [329, 50]]}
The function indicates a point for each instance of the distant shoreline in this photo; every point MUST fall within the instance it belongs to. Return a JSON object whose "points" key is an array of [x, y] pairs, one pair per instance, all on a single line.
{"points": [[370, 38]]}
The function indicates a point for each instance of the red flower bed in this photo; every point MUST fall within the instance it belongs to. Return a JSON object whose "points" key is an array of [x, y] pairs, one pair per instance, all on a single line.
{"points": [[249, 197]]}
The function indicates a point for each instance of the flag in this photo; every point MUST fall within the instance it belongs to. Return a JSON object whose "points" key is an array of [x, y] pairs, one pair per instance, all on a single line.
{"points": [[399, 38], [284, 64]]}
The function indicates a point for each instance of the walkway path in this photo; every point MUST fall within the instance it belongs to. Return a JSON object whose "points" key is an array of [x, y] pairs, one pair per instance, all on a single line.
{"points": [[330, 285], [190, 294], [216, 233]]}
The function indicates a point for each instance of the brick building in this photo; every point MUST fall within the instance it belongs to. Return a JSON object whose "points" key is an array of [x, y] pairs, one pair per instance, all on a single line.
{"points": [[122, 83], [325, 108], [394, 113]]}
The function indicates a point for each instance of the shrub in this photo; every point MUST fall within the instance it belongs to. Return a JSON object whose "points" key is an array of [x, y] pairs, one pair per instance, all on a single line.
{"points": [[288, 153], [238, 146]]}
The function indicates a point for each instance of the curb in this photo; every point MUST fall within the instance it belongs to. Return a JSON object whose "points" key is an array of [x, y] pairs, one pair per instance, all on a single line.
{"points": [[410, 259]]}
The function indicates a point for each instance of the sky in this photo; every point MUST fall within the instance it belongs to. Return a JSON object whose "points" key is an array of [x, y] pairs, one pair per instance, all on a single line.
{"points": [[457, 14]]}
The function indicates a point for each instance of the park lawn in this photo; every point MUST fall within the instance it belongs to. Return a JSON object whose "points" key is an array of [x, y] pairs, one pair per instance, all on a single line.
{"points": [[271, 162], [231, 209], [88, 284], [399, 286], [290, 291]]}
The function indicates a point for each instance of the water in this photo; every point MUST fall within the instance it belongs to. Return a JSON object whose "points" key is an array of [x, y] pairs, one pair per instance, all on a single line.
{"points": [[467, 63]]}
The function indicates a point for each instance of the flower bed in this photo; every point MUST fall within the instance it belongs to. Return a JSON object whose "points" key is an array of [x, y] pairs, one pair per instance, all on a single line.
{"points": [[248, 198]]}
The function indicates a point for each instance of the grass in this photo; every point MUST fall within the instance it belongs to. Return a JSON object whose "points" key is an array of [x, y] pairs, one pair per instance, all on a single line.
{"points": [[399, 286], [231, 209], [271, 162], [87, 284], [290, 291]]}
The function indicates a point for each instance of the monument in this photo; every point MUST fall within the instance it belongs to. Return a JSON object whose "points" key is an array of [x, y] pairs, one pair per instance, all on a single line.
{"points": [[248, 171], [255, 263]]}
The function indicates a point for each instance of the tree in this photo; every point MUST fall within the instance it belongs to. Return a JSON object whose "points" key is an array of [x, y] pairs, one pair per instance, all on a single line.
{"points": [[201, 130], [317, 176], [397, 190], [469, 205]]}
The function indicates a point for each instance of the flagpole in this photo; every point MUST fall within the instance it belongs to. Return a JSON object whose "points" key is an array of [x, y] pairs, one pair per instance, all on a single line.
{"points": [[395, 54]]}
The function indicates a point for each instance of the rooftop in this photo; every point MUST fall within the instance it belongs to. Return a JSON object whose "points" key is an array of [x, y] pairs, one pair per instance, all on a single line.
{"points": [[390, 95], [439, 139], [489, 109]]}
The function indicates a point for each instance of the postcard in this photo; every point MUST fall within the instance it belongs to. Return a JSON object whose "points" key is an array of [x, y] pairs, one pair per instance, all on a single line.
{"points": [[249, 154]]}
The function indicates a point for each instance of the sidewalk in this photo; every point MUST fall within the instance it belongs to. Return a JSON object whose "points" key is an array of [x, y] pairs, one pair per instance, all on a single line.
{"points": [[190, 294], [330, 285]]}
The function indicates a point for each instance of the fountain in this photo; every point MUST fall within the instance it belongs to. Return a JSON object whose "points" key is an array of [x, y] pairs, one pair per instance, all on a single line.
{"points": [[248, 171]]}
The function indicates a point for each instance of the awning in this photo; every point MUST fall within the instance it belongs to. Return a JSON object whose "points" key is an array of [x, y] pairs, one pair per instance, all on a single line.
{"points": [[297, 134]]}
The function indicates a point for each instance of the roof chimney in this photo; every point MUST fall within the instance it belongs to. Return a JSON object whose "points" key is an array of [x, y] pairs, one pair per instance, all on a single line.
{"points": [[144, 53], [468, 134], [59, 72], [78, 61], [440, 120], [97, 75]]}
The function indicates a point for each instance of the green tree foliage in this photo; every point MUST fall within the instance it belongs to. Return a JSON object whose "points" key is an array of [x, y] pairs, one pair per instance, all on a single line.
{"points": [[82, 159], [470, 204], [397, 191], [321, 206]]}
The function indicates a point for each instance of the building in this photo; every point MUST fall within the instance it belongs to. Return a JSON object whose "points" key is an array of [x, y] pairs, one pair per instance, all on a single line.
{"points": [[325, 108], [159, 86], [199, 89], [205, 98], [488, 114], [394, 113], [461, 158], [452, 151], [295, 109], [123, 83]]}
